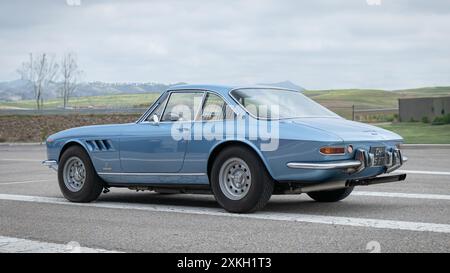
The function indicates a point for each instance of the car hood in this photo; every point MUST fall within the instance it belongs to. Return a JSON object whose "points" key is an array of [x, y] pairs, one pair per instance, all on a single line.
{"points": [[348, 130]]}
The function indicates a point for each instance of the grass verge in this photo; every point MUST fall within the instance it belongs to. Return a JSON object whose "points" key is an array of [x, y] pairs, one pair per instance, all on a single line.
{"points": [[420, 133]]}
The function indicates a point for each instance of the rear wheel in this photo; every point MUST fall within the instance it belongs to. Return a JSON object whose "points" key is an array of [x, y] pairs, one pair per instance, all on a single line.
{"points": [[239, 180], [77, 178], [330, 196]]}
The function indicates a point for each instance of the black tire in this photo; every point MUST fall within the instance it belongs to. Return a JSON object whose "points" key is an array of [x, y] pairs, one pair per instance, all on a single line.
{"points": [[261, 186], [92, 186], [330, 196]]}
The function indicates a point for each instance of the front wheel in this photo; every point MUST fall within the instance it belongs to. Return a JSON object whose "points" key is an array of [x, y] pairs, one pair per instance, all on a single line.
{"points": [[330, 196], [239, 180], [77, 178]]}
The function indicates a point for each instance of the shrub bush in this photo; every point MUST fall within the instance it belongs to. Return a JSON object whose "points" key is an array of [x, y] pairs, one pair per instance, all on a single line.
{"points": [[442, 119]]}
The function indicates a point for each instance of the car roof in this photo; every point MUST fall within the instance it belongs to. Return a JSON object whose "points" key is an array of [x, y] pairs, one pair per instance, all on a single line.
{"points": [[221, 89]]}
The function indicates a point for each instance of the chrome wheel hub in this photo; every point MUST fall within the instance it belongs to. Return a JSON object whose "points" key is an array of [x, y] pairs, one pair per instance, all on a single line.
{"points": [[235, 178], [74, 174]]}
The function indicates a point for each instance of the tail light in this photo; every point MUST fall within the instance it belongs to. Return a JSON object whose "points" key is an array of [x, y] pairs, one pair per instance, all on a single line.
{"points": [[332, 150]]}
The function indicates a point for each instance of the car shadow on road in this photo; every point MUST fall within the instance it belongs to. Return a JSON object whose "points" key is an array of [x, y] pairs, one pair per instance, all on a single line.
{"points": [[305, 206], [151, 198], [278, 204]]}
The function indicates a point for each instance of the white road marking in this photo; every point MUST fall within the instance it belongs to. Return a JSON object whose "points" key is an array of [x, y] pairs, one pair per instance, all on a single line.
{"points": [[24, 182], [423, 172], [14, 245], [288, 217], [398, 171], [402, 195], [20, 159]]}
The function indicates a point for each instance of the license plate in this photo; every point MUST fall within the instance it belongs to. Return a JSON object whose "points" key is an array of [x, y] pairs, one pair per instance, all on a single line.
{"points": [[378, 155]]}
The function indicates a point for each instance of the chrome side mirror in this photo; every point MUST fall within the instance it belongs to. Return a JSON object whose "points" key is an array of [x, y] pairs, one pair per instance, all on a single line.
{"points": [[155, 119]]}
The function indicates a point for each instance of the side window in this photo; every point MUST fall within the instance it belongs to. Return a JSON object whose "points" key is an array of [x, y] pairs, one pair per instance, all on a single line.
{"points": [[215, 108], [182, 106], [158, 110]]}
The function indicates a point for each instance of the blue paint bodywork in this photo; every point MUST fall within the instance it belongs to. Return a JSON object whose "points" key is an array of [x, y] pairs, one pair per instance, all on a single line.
{"points": [[145, 153]]}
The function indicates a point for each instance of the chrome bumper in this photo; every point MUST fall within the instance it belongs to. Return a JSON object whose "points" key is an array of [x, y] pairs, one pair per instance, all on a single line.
{"points": [[363, 159], [52, 164]]}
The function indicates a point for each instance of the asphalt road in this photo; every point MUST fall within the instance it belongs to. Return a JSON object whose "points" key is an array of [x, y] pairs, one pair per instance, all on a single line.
{"points": [[411, 216]]}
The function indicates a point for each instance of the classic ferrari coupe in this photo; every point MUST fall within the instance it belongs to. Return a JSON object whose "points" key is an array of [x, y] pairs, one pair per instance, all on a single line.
{"points": [[243, 144]]}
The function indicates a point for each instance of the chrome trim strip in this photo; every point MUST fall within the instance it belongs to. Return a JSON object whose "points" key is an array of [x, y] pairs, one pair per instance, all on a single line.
{"points": [[149, 174], [52, 164], [325, 165], [395, 161]]}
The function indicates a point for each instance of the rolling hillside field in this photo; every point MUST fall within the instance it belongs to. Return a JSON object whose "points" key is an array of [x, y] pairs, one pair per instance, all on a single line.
{"points": [[107, 101], [37, 127], [361, 98], [372, 99]]}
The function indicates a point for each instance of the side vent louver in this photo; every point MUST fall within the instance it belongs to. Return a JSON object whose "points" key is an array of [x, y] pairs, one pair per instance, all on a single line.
{"points": [[100, 145]]}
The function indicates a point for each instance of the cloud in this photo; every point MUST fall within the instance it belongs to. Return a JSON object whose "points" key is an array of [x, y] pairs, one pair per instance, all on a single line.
{"points": [[317, 44]]}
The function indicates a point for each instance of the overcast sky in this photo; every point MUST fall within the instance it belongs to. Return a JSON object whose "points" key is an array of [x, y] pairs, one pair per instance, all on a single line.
{"points": [[387, 44]]}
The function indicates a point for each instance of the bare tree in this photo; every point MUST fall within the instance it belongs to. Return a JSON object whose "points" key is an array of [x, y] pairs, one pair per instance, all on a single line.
{"points": [[40, 71], [70, 76]]}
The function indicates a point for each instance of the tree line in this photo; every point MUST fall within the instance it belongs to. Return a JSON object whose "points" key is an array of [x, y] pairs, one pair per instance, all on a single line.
{"points": [[42, 69]]}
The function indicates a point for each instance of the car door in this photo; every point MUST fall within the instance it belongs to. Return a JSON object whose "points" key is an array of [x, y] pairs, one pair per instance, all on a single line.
{"points": [[155, 146], [212, 126]]}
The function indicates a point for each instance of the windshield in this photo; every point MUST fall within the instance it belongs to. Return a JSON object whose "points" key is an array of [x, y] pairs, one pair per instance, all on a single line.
{"points": [[278, 103]]}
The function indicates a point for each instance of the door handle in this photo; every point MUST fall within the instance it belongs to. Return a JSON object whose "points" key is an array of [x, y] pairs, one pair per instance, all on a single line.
{"points": [[181, 129]]}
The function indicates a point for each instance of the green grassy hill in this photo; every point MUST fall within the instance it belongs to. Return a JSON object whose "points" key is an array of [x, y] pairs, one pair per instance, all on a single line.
{"points": [[362, 98], [425, 92], [369, 98], [339, 101], [108, 101]]}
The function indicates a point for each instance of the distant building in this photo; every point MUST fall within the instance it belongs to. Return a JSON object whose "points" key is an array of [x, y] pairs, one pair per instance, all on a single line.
{"points": [[415, 109]]}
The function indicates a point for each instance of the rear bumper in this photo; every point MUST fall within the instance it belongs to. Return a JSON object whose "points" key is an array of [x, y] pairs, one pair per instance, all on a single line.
{"points": [[363, 159], [52, 164]]}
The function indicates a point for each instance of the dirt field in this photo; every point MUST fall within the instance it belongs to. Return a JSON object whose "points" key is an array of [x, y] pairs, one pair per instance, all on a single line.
{"points": [[20, 128]]}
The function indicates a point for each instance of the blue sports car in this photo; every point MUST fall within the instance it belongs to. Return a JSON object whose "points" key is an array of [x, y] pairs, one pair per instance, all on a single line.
{"points": [[243, 144]]}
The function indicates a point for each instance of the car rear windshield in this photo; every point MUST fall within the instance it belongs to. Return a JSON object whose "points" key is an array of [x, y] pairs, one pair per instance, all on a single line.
{"points": [[269, 103]]}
